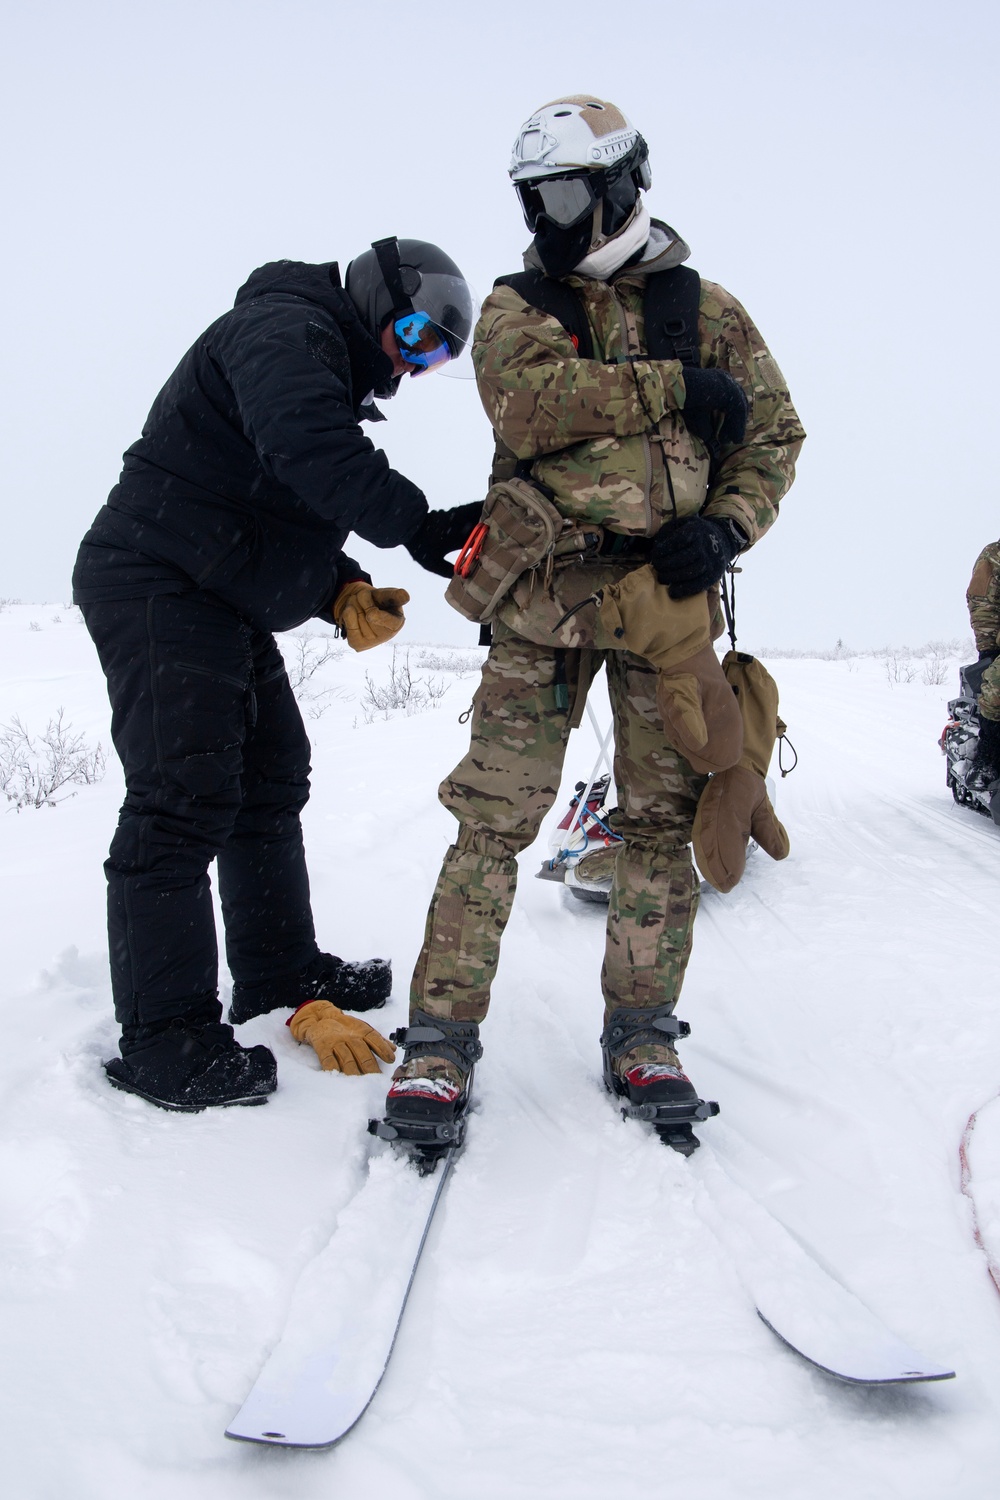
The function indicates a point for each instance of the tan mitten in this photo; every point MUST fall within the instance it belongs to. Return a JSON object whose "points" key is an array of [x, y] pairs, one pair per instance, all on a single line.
{"points": [[735, 808], [732, 809], [700, 713]]}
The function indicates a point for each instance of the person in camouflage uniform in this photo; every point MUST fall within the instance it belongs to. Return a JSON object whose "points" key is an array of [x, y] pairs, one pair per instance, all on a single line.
{"points": [[983, 599], [681, 465]]}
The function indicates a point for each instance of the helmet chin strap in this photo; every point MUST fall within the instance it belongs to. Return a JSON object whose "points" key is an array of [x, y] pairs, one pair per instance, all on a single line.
{"points": [[602, 262]]}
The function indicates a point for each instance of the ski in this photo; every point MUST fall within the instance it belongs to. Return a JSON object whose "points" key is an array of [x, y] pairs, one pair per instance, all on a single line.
{"points": [[796, 1297], [348, 1307], [965, 1165]]}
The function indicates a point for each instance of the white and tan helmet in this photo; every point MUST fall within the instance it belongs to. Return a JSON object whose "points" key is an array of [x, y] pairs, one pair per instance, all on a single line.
{"points": [[577, 162], [579, 132]]}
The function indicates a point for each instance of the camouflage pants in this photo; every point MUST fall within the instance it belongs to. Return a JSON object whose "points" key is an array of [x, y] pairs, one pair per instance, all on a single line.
{"points": [[502, 790], [989, 696]]}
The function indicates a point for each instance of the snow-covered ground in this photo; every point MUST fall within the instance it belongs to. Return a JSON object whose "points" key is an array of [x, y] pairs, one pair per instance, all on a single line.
{"points": [[578, 1329]]}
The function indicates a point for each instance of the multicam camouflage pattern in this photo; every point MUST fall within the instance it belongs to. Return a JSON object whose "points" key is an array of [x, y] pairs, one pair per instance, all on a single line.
{"points": [[603, 433], [983, 598], [607, 436], [560, 608], [501, 791]]}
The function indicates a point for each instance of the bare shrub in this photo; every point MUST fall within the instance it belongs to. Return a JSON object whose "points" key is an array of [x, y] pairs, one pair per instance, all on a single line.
{"points": [[36, 771], [6, 604], [310, 655], [937, 669], [898, 667], [461, 663], [401, 692], [33, 625], [898, 659], [305, 657]]}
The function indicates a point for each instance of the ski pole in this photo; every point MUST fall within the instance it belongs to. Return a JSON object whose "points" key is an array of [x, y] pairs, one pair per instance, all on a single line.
{"points": [[597, 731]]}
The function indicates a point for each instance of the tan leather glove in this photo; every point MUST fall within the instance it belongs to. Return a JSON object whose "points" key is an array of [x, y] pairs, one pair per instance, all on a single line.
{"points": [[342, 1043], [368, 616]]}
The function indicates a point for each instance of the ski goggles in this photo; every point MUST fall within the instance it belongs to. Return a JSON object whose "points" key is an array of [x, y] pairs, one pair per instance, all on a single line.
{"points": [[421, 342], [566, 199]]}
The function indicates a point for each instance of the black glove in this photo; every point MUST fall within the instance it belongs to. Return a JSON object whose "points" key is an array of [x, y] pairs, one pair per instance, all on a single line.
{"points": [[691, 554], [711, 395], [442, 531], [990, 655]]}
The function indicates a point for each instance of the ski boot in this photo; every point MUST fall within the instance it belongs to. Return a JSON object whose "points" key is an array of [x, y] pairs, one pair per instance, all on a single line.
{"points": [[590, 878], [361, 986], [190, 1066], [425, 1107], [657, 1091]]}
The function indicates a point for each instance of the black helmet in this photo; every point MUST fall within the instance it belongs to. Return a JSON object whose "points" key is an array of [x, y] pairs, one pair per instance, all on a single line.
{"points": [[405, 276]]}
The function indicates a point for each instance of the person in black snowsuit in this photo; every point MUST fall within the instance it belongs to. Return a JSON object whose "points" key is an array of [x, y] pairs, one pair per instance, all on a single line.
{"points": [[228, 523]]}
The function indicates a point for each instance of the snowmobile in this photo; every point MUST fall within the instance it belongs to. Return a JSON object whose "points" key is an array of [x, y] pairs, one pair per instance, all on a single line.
{"points": [[959, 740]]}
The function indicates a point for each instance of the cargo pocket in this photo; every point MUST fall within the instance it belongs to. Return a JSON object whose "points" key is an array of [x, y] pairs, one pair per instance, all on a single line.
{"points": [[209, 774]]}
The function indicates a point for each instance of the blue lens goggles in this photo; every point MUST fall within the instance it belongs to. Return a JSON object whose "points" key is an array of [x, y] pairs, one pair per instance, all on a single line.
{"points": [[421, 342]]}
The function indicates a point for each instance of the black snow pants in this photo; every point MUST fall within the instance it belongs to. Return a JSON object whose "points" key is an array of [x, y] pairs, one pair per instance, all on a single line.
{"points": [[216, 762]]}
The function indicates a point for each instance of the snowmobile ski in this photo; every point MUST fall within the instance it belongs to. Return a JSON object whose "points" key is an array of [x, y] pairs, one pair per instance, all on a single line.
{"points": [[801, 1302], [348, 1306]]}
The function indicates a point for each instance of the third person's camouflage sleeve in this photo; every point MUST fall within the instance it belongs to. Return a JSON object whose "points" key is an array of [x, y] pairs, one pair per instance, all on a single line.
{"points": [[983, 598]]}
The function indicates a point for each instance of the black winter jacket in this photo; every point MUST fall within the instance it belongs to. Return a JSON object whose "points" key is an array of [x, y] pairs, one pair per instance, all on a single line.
{"points": [[252, 468]]}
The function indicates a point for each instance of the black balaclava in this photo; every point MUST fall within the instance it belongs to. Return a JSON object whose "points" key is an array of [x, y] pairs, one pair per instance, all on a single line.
{"points": [[561, 249]]}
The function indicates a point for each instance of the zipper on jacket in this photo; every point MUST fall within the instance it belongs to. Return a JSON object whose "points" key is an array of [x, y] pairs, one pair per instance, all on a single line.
{"points": [[199, 671]]}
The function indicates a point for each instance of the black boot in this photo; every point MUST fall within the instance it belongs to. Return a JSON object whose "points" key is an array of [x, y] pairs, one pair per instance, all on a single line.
{"points": [[191, 1066], [362, 986], [655, 1087], [986, 764], [429, 1094]]}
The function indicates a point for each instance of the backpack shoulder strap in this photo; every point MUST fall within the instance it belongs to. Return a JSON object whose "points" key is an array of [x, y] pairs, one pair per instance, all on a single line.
{"points": [[558, 301], [670, 311]]}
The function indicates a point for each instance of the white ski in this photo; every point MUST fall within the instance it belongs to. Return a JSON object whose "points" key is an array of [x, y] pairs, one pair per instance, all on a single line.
{"points": [[349, 1303], [800, 1301], [346, 1312]]}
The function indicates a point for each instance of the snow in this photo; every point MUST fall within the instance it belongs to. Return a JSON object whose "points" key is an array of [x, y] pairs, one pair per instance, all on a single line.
{"points": [[579, 1327]]}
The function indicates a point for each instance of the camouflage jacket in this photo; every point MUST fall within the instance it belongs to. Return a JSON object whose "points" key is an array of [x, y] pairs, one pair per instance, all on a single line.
{"points": [[983, 598], [605, 433]]}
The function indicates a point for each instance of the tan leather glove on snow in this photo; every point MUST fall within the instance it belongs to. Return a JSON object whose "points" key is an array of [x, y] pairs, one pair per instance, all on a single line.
{"points": [[368, 616], [342, 1043]]}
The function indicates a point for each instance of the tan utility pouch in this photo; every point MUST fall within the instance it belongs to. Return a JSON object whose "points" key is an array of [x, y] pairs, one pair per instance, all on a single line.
{"points": [[517, 531]]}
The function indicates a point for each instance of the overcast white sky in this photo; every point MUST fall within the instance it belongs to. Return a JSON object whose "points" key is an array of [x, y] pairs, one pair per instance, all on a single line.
{"points": [[833, 165]]}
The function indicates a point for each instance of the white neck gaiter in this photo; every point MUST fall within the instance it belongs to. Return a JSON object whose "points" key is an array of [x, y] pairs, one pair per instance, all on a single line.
{"points": [[606, 259]]}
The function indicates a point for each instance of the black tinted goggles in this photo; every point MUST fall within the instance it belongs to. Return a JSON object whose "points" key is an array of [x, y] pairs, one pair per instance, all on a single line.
{"points": [[568, 198]]}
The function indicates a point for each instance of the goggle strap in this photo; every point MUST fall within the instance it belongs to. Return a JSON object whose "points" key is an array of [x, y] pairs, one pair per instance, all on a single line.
{"points": [[387, 255]]}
